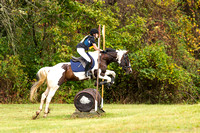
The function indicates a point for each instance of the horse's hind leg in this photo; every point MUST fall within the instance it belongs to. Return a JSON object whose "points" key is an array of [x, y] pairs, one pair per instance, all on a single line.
{"points": [[52, 92], [44, 95]]}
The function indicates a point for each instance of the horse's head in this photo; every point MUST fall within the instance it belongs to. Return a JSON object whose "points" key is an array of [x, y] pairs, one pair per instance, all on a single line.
{"points": [[120, 56], [123, 60]]}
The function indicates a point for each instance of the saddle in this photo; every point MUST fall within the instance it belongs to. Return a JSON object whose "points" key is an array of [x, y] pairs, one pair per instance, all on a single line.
{"points": [[79, 59], [78, 63]]}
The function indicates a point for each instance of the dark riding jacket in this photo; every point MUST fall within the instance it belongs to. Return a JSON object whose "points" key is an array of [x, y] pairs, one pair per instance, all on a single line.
{"points": [[86, 42]]}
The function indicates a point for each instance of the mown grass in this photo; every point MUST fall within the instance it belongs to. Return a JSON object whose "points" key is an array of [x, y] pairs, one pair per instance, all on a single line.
{"points": [[118, 119]]}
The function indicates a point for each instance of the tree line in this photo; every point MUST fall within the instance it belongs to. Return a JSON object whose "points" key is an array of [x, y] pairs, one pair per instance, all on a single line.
{"points": [[162, 38]]}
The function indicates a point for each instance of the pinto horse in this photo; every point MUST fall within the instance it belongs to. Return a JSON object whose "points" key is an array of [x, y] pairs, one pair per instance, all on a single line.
{"points": [[62, 72]]}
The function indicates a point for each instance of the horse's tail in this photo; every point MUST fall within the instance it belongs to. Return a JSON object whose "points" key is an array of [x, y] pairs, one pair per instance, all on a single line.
{"points": [[42, 76]]}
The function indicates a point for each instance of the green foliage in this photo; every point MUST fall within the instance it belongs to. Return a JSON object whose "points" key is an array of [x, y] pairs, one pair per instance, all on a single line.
{"points": [[13, 81], [153, 63], [156, 79], [4, 49], [162, 38]]}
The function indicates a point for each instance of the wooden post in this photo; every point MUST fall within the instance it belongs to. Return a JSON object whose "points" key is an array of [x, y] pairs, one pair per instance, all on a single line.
{"points": [[96, 104], [103, 33]]}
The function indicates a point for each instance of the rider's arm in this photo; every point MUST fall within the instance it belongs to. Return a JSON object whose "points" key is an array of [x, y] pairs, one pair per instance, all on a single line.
{"points": [[95, 46]]}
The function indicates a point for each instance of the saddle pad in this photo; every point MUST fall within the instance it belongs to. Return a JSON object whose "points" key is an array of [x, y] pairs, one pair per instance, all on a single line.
{"points": [[78, 67]]}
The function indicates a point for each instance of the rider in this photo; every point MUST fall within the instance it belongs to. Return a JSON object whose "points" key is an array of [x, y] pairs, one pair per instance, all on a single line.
{"points": [[87, 42]]}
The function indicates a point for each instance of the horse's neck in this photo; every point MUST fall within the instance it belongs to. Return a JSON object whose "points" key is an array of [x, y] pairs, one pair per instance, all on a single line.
{"points": [[110, 57], [106, 58]]}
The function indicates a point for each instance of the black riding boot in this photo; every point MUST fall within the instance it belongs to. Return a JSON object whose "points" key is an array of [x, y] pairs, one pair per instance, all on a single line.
{"points": [[87, 67]]}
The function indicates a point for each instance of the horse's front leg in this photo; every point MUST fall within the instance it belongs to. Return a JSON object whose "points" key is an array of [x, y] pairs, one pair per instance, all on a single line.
{"points": [[109, 72], [106, 78]]}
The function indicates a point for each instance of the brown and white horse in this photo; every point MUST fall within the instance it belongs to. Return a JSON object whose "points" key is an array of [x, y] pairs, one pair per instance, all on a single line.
{"points": [[62, 72]]}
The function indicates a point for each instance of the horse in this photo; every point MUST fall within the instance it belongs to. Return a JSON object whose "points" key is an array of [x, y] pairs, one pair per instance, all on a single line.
{"points": [[56, 75]]}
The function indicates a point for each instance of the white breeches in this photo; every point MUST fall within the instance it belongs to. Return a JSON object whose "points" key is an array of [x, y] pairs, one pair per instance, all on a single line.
{"points": [[82, 52]]}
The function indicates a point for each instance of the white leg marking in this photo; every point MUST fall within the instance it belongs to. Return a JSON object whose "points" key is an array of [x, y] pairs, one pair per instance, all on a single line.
{"points": [[109, 72], [107, 78], [44, 95], [49, 97]]}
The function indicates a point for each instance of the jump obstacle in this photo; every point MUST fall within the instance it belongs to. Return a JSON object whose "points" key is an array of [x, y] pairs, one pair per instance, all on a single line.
{"points": [[84, 102], [89, 102]]}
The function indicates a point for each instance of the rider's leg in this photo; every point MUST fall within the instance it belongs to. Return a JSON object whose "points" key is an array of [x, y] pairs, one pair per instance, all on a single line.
{"points": [[82, 52], [87, 67]]}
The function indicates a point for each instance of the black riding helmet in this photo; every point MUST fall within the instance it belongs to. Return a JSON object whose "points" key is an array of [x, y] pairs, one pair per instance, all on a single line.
{"points": [[93, 31]]}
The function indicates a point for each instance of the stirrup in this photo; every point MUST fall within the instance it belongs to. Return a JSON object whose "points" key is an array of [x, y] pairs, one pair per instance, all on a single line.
{"points": [[88, 73]]}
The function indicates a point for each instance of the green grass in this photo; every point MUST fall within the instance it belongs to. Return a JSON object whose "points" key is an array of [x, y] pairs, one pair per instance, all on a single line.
{"points": [[118, 119]]}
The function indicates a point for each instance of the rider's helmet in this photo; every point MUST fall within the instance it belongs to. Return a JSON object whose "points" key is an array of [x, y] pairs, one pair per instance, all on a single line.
{"points": [[93, 31]]}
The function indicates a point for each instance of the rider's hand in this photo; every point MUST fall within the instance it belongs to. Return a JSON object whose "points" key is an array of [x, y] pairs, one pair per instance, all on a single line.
{"points": [[102, 51]]}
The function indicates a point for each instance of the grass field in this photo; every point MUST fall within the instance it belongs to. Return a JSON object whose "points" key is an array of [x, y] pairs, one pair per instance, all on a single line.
{"points": [[118, 119]]}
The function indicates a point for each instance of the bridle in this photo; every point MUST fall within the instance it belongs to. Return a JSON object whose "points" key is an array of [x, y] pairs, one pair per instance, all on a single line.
{"points": [[125, 59], [126, 66]]}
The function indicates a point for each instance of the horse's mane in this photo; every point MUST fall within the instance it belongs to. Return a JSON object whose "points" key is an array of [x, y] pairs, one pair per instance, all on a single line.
{"points": [[110, 50], [113, 50]]}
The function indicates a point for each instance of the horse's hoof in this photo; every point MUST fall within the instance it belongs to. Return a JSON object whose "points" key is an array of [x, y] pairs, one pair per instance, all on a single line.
{"points": [[45, 115], [112, 79], [103, 82], [48, 110], [108, 84], [35, 116], [37, 112]]}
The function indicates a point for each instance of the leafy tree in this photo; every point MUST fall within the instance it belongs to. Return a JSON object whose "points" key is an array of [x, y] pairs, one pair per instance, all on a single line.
{"points": [[162, 38]]}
